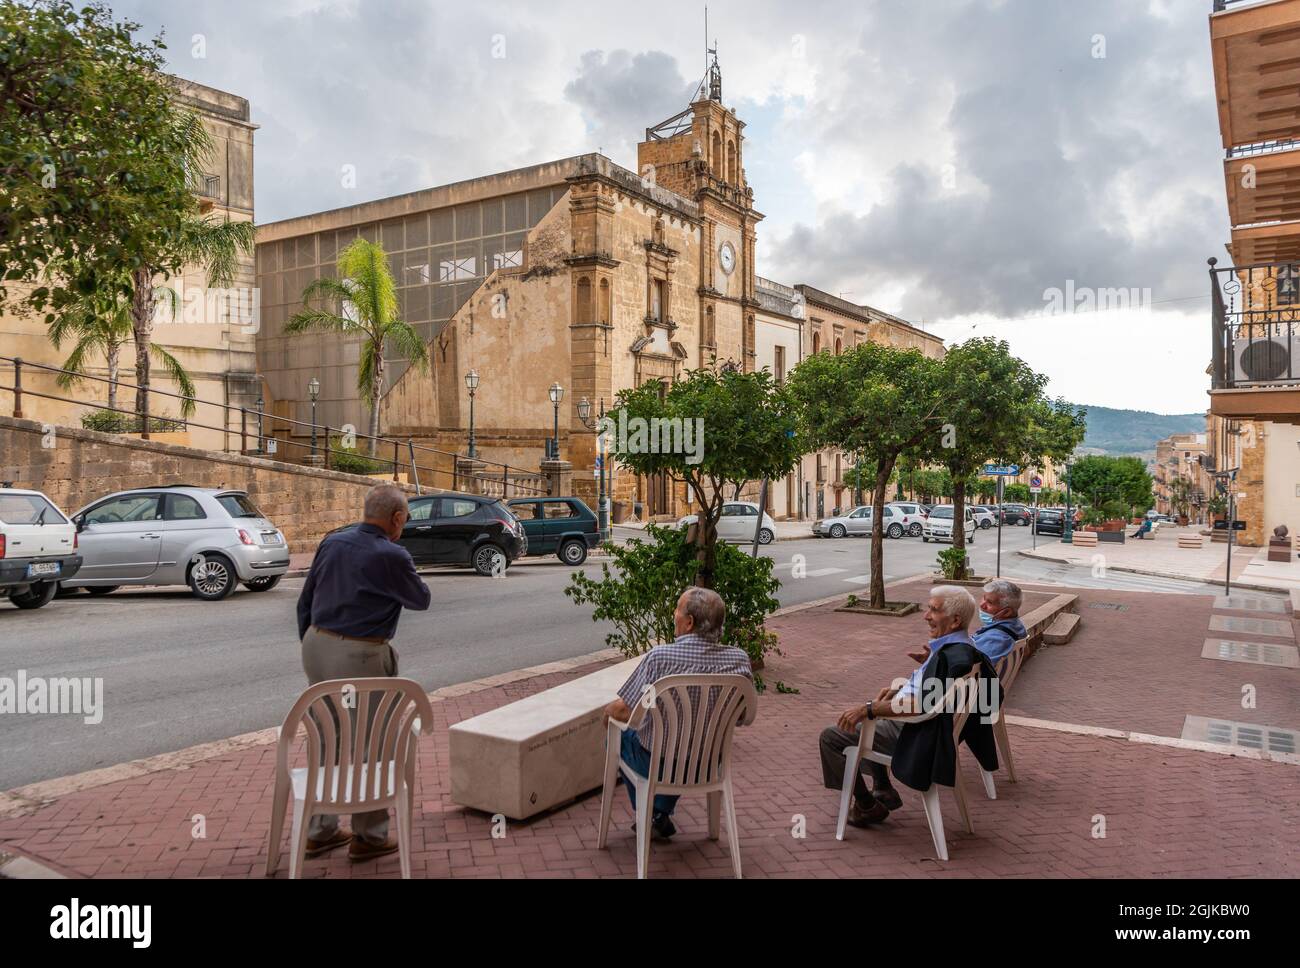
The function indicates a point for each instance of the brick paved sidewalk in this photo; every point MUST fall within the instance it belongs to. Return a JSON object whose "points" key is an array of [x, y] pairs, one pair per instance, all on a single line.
{"points": [[1091, 758]]}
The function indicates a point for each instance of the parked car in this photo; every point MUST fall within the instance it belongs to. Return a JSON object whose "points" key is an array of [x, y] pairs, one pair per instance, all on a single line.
{"points": [[1018, 514], [38, 548], [462, 529], [561, 526], [737, 523], [984, 516], [938, 524], [1049, 521], [857, 523], [207, 538], [913, 516]]}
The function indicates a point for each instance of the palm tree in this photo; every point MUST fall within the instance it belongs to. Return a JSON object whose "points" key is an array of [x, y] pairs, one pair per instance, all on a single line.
{"points": [[101, 324], [362, 301]]}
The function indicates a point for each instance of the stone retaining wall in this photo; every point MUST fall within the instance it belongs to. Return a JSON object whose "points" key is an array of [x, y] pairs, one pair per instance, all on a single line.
{"points": [[75, 466]]}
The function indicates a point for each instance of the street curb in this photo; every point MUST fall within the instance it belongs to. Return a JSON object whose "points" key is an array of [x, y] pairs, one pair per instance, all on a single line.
{"points": [[303, 572], [18, 867], [24, 800], [1037, 556]]}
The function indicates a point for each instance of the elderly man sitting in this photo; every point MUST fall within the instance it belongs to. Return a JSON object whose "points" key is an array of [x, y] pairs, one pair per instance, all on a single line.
{"points": [[948, 615], [999, 614], [697, 622]]}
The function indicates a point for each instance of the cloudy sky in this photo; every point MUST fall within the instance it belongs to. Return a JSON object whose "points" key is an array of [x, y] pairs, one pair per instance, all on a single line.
{"points": [[967, 164]]}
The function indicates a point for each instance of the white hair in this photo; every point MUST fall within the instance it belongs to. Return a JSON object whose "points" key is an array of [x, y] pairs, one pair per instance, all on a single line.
{"points": [[956, 603], [383, 501], [1007, 593], [705, 606]]}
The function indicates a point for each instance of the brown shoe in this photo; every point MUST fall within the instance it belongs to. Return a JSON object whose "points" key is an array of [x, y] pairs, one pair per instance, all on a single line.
{"points": [[317, 847], [361, 850], [888, 796], [858, 817]]}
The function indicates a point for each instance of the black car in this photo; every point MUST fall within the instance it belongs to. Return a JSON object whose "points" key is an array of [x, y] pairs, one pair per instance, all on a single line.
{"points": [[1017, 514], [1049, 522], [462, 529], [562, 526]]}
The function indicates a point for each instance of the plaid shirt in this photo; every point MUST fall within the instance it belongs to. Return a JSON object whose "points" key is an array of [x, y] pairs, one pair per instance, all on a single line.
{"points": [[687, 655]]}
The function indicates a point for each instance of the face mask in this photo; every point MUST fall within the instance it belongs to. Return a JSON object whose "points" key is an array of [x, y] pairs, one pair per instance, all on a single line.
{"points": [[985, 618]]}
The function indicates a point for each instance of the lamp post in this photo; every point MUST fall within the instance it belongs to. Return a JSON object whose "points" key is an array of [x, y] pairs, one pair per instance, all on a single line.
{"points": [[602, 506], [471, 384], [556, 393], [313, 391], [261, 405], [1067, 528]]}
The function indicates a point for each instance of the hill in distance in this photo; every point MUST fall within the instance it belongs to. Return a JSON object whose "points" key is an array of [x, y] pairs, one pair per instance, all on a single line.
{"points": [[1121, 432]]}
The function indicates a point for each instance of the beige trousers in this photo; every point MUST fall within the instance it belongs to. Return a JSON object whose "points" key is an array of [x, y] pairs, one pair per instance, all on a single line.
{"points": [[325, 656]]}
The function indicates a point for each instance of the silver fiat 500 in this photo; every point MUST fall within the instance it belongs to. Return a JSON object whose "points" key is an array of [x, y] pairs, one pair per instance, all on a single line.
{"points": [[206, 538]]}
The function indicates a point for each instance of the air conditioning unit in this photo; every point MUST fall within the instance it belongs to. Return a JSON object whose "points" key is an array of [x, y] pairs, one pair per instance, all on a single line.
{"points": [[1267, 355]]}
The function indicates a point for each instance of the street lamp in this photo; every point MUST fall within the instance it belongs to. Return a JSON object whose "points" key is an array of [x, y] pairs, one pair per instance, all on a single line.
{"points": [[556, 393], [1067, 529], [471, 384], [261, 405], [602, 506], [313, 391]]}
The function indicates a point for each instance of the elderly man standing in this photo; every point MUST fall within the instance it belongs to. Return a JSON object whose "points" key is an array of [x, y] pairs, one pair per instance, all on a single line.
{"points": [[697, 623], [360, 580], [948, 615]]}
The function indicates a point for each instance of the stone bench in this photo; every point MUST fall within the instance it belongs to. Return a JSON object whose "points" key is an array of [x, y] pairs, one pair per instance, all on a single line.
{"points": [[1189, 541], [1084, 539], [542, 751]]}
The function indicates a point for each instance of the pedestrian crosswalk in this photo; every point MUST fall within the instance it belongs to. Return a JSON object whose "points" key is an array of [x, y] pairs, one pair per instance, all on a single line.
{"points": [[826, 572], [1123, 581]]}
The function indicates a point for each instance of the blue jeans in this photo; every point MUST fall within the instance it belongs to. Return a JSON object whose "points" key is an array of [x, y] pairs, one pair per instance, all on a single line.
{"points": [[638, 757]]}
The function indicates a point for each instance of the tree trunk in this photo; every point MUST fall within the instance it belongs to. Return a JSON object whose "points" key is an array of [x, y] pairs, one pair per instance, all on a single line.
{"points": [[142, 329], [707, 550], [959, 523], [114, 353], [883, 470], [376, 391]]}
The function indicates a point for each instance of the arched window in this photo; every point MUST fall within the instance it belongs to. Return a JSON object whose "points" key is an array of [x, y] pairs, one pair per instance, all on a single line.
{"points": [[839, 345], [604, 301], [731, 163], [817, 342], [710, 334], [715, 156], [584, 300]]}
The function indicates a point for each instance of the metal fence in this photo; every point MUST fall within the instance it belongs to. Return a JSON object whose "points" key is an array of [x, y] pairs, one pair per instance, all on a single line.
{"points": [[251, 427]]}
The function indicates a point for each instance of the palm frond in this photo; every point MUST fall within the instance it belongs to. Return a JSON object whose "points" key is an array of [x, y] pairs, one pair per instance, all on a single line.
{"points": [[217, 245], [179, 376], [306, 320], [366, 368], [406, 342]]}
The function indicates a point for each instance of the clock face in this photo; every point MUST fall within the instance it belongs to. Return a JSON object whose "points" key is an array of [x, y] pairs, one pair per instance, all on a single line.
{"points": [[727, 257]]}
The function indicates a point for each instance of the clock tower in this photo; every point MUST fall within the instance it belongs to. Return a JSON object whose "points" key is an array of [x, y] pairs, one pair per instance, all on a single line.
{"points": [[698, 154]]}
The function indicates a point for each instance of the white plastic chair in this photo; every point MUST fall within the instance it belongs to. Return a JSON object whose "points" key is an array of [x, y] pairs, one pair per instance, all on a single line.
{"points": [[961, 699], [1008, 669], [694, 721], [349, 769]]}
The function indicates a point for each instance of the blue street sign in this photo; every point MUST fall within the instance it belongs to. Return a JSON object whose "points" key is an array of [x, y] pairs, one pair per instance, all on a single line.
{"points": [[600, 462], [1000, 470]]}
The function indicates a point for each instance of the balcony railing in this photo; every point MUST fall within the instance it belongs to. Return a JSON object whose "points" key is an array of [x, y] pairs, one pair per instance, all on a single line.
{"points": [[1255, 325]]}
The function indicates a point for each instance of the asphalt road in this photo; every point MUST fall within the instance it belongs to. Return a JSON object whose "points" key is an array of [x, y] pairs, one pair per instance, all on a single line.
{"points": [[177, 671]]}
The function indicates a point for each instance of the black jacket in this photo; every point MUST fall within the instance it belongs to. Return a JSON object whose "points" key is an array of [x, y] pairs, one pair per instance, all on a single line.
{"points": [[925, 753]]}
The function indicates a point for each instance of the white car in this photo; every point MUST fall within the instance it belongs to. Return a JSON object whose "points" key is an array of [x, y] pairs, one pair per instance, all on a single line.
{"points": [[857, 523], [938, 524], [913, 516], [737, 523], [984, 518], [38, 548]]}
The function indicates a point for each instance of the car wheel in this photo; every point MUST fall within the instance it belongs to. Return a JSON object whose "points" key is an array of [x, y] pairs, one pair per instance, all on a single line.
{"points": [[914, 531], [895, 531], [986, 524], [838, 531], [36, 596], [489, 560], [212, 577], [263, 583], [573, 552], [765, 536], [102, 589]]}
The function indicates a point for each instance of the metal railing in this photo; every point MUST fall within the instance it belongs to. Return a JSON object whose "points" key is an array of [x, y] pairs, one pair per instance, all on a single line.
{"points": [[1254, 325], [252, 425], [1262, 148]]}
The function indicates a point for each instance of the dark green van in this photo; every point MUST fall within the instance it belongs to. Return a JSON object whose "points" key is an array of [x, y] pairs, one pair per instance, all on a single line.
{"points": [[562, 526]]}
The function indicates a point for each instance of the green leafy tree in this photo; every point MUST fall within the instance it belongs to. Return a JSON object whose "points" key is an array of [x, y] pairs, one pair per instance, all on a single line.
{"points": [[1016, 493], [1107, 482], [879, 402], [99, 325], [95, 153], [362, 301], [748, 433]]}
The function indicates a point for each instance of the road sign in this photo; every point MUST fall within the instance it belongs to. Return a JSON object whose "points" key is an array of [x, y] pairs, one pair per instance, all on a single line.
{"points": [[1000, 470], [1035, 483]]}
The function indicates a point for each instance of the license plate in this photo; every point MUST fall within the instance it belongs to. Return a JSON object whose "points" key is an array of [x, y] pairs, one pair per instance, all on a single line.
{"points": [[40, 568], [270, 538]]}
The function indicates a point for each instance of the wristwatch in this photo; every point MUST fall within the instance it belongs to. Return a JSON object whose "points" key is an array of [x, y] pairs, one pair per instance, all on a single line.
{"points": [[870, 713]]}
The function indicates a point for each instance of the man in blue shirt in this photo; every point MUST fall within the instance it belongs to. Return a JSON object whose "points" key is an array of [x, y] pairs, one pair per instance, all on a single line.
{"points": [[360, 580], [948, 615], [999, 614]]}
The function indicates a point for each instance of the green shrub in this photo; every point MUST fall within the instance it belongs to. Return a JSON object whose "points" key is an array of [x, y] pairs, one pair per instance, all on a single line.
{"points": [[112, 422], [351, 461], [952, 562], [639, 589]]}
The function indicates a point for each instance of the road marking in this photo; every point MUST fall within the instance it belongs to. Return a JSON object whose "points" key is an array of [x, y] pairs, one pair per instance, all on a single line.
{"points": [[823, 572], [860, 579]]}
